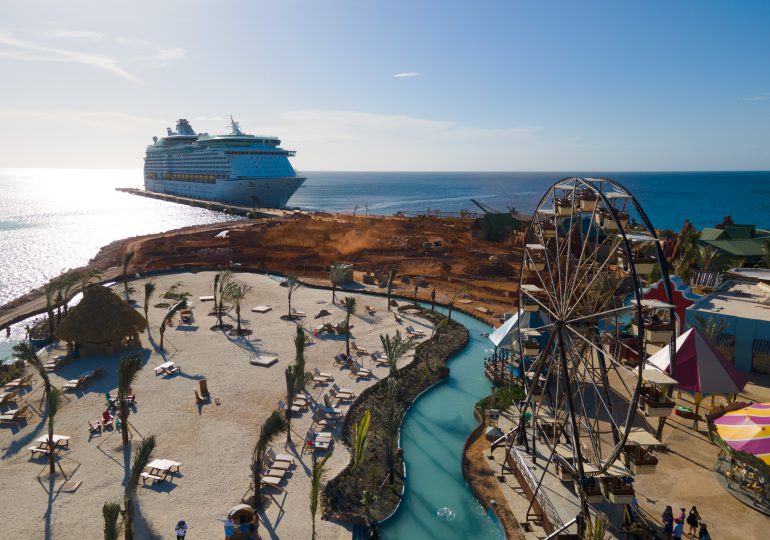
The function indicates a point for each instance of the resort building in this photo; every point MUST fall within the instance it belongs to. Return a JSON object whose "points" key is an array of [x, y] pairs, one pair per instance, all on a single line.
{"points": [[736, 241], [745, 307]]}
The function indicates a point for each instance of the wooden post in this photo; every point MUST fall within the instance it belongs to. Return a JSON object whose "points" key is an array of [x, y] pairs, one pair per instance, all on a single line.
{"points": [[204, 389]]}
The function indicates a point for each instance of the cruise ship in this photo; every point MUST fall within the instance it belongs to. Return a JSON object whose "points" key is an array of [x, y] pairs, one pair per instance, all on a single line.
{"points": [[236, 168]]}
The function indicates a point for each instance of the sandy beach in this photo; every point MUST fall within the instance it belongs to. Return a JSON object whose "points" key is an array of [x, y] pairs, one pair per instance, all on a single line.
{"points": [[213, 442]]}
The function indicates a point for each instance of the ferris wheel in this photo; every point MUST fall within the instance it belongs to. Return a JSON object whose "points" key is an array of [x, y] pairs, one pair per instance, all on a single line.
{"points": [[590, 250]]}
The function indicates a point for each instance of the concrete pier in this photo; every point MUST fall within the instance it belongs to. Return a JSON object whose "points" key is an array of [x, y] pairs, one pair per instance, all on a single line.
{"points": [[217, 206]]}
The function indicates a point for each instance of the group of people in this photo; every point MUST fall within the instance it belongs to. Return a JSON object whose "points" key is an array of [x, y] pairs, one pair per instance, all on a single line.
{"points": [[247, 529], [674, 526]]}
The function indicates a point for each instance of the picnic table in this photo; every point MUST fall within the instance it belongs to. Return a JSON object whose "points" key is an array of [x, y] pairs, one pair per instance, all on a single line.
{"points": [[59, 441], [159, 469], [166, 367]]}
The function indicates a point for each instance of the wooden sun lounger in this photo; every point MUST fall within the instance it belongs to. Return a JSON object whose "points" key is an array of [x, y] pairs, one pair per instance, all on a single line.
{"points": [[79, 383], [359, 372], [283, 407], [410, 330], [271, 481], [357, 349], [398, 318], [282, 465], [10, 397], [16, 384], [16, 416], [279, 457], [318, 373]]}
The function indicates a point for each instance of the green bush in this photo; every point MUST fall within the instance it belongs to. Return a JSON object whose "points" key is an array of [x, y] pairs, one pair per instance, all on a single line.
{"points": [[504, 398]]}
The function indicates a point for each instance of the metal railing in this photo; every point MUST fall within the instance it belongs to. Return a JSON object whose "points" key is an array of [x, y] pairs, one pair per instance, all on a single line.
{"points": [[545, 503]]}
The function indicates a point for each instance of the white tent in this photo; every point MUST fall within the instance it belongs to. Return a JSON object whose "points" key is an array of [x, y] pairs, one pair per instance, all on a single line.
{"points": [[504, 335]]}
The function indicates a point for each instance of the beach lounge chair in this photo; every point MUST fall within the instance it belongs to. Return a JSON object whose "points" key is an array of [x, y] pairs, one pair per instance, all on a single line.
{"points": [[16, 384], [10, 397], [378, 358], [411, 331], [297, 313], [79, 383], [283, 407], [54, 362], [274, 464], [342, 359], [371, 310], [279, 457], [322, 419], [271, 481], [398, 318], [15, 417], [301, 401], [342, 393], [94, 426], [359, 372], [358, 350], [318, 373], [319, 381], [328, 409]]}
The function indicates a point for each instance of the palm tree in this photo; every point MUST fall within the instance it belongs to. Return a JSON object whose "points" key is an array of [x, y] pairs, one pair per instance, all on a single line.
{"points": [[111, 513], [416, 286], [433, 299], [360, 433], [349, 305], [236, 293], [149, 290], [170, 315], [316, 476], [395, 348], [128, 256], [595, 528], [127, 370], [69, 282], [367, 501], [389, 415], [53, 403], [50, 292], [391, 280], [299, 358], [711, 327], [293, 378], [336, 275], [141, 459], [225, 278], [273, 426], [87, 276], [457, 293], [292, 284], [26, 351]]}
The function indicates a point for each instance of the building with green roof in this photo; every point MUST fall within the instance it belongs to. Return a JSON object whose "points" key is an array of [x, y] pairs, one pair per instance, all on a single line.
{"points": [[738, 241]]}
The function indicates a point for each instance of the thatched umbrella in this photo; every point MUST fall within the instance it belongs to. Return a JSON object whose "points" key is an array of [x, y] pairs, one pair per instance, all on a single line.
{"points": [[101, 318]]}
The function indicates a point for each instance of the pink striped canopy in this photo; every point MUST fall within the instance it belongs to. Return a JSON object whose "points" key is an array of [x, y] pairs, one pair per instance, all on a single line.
{"points": [[699, 366], [747, 430]]}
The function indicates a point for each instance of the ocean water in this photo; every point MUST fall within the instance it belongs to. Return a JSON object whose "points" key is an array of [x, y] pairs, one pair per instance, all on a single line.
{"points": [[53, 219]]}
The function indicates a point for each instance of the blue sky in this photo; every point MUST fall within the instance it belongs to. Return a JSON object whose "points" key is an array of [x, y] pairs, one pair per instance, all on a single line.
{"points": [[484, 85]]}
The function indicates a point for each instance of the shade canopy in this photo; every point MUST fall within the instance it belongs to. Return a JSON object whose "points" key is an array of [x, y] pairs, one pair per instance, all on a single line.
{"points": [[502, 336], [699, 366], [101, 317], [747, 430]]}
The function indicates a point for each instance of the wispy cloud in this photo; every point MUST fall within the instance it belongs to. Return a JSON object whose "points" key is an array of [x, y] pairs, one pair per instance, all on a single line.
{"points": [[76, 34], [761, 97], [27, 50], [407, 74]]}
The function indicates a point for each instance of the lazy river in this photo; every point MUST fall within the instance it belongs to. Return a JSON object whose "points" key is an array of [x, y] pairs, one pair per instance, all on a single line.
{"points": [[437, 502]]}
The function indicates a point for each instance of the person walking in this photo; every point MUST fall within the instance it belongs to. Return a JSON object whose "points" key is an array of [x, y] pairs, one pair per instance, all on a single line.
{"points": [[668, 521], [703, 533], [181, 530], [693, 519], [678, 529]]}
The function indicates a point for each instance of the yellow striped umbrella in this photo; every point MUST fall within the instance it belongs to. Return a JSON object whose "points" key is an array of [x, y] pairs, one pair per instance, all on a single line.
{"points": [[747, 430]]}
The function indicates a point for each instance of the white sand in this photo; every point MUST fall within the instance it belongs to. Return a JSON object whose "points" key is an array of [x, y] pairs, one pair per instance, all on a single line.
{"points": [[213, 443]]}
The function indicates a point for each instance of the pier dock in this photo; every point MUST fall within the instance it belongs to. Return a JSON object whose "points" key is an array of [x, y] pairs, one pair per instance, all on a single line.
{"points": [[217, 206]]}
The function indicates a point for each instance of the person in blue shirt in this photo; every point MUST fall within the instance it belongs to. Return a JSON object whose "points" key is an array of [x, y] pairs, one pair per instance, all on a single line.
{"points": [[678, 529]]}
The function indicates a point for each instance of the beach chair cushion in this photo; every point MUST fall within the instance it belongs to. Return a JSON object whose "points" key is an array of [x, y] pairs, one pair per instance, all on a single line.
{"points": [[279, 457]]}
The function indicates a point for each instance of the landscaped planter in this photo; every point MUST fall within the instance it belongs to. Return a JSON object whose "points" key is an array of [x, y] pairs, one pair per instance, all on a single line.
{"points": [[616, 491]]}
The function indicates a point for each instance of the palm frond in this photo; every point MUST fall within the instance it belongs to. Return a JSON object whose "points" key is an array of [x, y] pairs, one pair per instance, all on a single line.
{"points": [[142, 457], [111, 513], [273, 426]]}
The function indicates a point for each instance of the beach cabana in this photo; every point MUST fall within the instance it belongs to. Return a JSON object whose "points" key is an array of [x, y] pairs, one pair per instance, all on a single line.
{"points": [[101, 322], [700, 368]]}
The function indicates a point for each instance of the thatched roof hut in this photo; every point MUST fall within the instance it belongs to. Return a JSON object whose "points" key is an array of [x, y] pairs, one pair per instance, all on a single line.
{"points": [[101, 318]]}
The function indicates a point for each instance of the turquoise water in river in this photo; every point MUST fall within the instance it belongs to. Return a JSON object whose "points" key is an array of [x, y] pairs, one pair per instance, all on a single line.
{"points": [[432, 436]]}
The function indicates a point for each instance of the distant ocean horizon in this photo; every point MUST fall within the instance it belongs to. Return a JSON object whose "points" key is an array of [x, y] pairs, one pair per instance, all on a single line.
{"points": [[54, 219]]}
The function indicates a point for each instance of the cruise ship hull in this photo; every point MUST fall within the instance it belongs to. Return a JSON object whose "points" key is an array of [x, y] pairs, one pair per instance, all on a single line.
{"points": [[258, 192]]}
